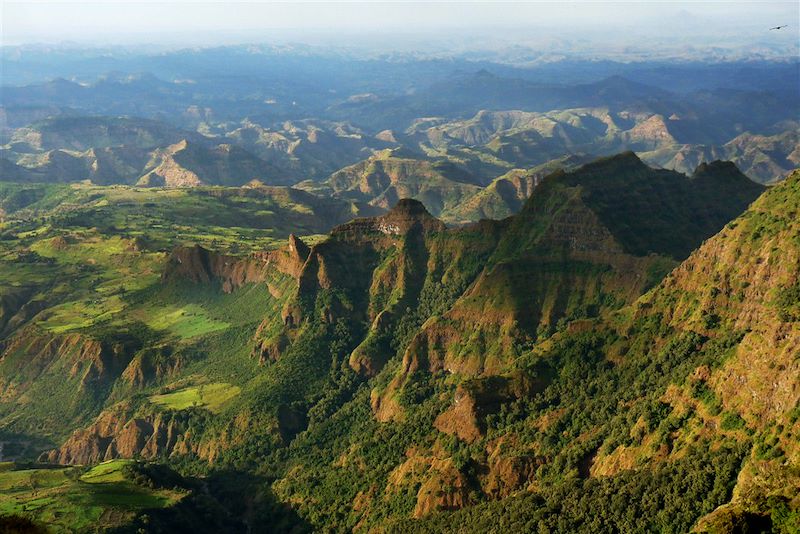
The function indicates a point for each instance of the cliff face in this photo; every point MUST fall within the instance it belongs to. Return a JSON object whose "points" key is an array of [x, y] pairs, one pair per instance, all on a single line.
{"points": [[369, 270], [474, 363], [203, 266], [41, 365]]}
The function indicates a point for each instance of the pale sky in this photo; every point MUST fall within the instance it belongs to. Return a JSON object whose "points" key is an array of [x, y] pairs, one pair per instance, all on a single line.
{"points": [[124, 22]]}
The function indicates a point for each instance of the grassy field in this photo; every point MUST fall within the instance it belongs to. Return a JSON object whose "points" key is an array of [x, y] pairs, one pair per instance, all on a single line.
{"points": [[210, 396], [237, 220], [185, 322], [69, 500], [110, 471]]}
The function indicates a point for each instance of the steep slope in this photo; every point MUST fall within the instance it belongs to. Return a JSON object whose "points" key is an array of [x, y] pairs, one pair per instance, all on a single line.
{"points": [[573, 252], [309, 149], [501, 198], [399, 369], [700, 375], [507, 193], [187, 164], [662, 203], [389, 176], [11, 172]]}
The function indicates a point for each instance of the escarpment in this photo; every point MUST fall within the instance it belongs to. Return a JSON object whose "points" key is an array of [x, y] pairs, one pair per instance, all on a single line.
{"points": [[116, 433], [200, 265], [566, 256], [369, 270], [428, 369], [50, 367]]}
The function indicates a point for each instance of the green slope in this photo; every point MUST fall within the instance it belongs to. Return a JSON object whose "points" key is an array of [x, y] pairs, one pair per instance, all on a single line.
{"points": [[399, 370]]}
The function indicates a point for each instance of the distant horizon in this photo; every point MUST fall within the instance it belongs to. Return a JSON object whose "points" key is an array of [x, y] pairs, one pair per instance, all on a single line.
{"points": [[602, 27]]}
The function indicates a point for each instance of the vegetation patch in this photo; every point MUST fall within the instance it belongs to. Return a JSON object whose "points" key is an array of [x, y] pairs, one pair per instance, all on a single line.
{"points": [[210, 396], [186, 322], [66, 500]]}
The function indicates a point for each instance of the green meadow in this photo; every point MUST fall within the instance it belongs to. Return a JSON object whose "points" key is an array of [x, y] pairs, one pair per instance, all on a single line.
{"points": [[72, 499], [210, 396]]}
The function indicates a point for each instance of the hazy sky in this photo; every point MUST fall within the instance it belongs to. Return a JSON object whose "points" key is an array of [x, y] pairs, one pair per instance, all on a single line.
{"points": [[113, 21]]}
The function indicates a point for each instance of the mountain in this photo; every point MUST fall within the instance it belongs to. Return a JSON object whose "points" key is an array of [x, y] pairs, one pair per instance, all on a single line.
{"points": [[103, 166], [467, 93], [705, 361], [121, 150], [507, 193], [84, 133], [766, 155], [391, 175], [492, 140], [187, 164], [12, 172], [399, 369], [310, 149]]}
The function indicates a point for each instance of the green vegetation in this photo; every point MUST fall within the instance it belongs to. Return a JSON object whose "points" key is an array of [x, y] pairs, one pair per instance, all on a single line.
{"points": [[109, 471], [538, 373], [185, 322], [668, 498], [67, 500], [210, 396], [224, 219]]}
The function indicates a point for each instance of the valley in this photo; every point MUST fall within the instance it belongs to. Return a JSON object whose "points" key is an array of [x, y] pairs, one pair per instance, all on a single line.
{"points": [[254, 289]]}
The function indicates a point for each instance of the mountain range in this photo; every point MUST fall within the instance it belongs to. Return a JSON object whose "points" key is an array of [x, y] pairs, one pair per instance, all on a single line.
{"points": [[286, 289], [610, 338]]}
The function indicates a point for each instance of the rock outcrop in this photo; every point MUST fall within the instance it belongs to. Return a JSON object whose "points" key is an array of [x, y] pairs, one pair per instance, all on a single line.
{"points": [[203, 266]]}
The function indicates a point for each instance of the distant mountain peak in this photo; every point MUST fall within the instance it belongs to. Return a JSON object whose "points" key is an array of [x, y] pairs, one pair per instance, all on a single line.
{"points": [[716, 168], [407, 215], [627, 160], [409, 207]]}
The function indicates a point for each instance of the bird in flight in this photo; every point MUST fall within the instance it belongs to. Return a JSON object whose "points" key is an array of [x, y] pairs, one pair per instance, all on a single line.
{"points": [[779, 27]]}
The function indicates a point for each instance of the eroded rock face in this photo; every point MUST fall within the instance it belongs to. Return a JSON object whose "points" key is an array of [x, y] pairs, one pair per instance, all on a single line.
{"points": [[508, 474], [371, 269], [475, 399], [270, 349], [445, 489], [115, 434], [407, 215], [152, 364], [203, 266], [88, 360], [444, 486]]}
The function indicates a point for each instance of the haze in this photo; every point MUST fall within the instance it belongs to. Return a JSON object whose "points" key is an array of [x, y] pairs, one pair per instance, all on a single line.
{"points": [[213, 23]]}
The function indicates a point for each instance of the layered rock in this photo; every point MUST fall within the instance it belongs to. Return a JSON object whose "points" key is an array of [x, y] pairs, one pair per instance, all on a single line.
{"points": [[203, 266], [115, 434]]}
